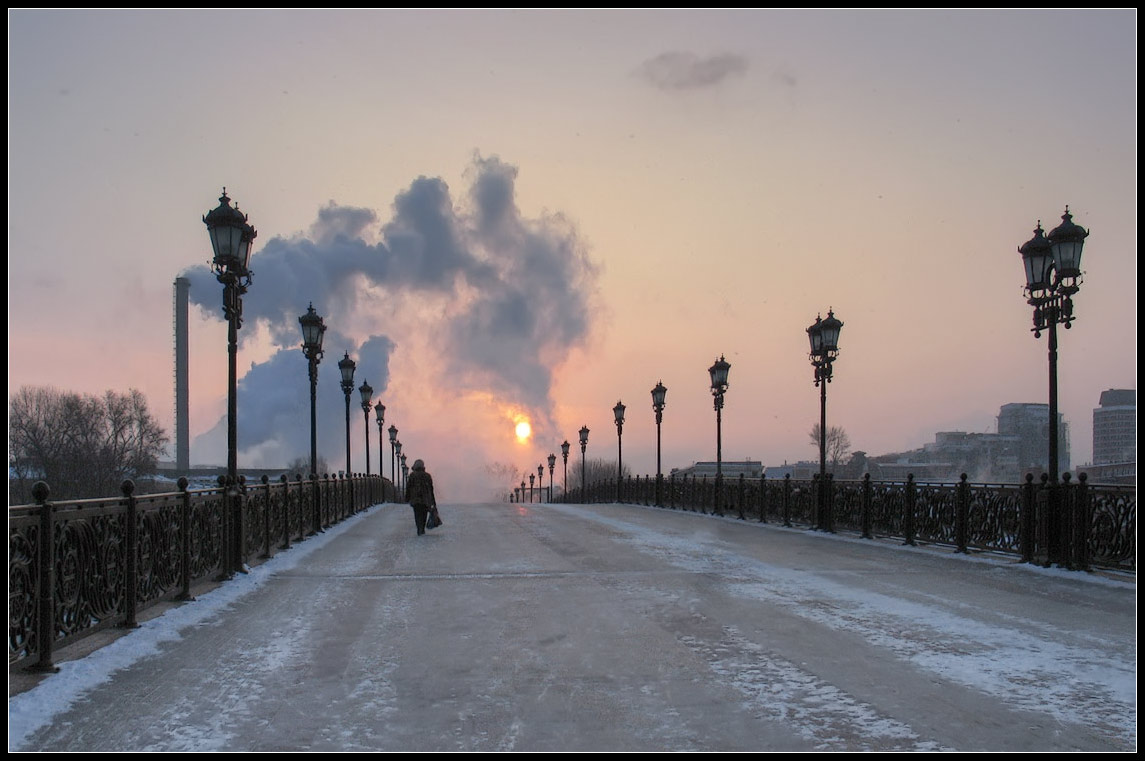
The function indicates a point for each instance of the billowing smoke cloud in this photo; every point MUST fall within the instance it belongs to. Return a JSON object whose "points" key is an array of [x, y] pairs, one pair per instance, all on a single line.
{"points": [[686, 71], [508, 298]]}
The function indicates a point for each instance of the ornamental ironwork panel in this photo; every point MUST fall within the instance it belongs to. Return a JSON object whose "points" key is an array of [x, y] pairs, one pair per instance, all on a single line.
{"points": [[90, 539], [23, 583], [934, 515], [255, 506], [159, 548], [1113, 527], [206, 532], [995, 517]]}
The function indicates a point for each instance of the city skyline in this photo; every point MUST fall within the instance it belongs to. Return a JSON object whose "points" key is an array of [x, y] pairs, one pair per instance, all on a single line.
{"points": [[694, 183]]}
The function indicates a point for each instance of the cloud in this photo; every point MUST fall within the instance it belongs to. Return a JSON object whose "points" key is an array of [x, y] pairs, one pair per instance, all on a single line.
{"points": [[686, 71], [500, 299]]}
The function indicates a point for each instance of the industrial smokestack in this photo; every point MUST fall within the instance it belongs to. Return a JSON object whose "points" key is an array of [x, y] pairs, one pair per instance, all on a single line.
{"points": [[182, 398]]}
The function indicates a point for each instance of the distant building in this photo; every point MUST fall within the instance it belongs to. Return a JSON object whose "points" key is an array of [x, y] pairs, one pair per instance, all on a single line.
{"points": [[1020, 446], [1031, 424], [1115, 427], [729, 469]]}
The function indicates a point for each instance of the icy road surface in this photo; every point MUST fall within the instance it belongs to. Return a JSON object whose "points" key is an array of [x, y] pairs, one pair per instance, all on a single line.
{"points": [[609, 627]]}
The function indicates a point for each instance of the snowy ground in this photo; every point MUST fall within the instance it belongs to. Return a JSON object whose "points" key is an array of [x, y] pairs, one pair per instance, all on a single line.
{"points": [[607, 627]]}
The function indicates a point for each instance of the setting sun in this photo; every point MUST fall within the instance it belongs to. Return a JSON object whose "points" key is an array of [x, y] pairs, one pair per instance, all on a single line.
{"points": [[524, 430]]}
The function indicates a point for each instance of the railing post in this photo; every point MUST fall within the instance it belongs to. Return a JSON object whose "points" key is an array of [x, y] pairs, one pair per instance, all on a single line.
{"points": [[185, 543], [316, 505], [266, 516], [1043, 555], [240, 525], [787, 500], [1082, 521], [763, 498], [46, 577], [908, 510], [704, 495], [829, 503], [961, 515], [741, 496], [225, 525], [1026, 520], [131, 593], [1066, 522], [672, 491], [866, 507], [286, 509]]}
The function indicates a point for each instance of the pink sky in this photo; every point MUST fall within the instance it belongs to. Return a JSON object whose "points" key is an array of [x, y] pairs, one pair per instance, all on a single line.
{"points": [[724, 176]]}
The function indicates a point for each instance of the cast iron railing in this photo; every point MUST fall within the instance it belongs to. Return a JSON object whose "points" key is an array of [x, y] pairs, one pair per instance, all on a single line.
{"points": [[1101, 521], [108, 559]]}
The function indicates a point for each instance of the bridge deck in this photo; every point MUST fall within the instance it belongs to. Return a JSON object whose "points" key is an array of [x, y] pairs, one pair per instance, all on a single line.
{"points": [[605, 627]]}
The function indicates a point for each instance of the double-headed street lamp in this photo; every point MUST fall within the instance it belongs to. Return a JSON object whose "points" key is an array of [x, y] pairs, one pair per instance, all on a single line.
{"points": [[565, 455], [1053, 276], [231, 240], [658, 393], [380, 413], [583, 446], [719, 375], [313, 330], [367, 403], [346, 367], [552, 467], [824, 337], [618, 413]]}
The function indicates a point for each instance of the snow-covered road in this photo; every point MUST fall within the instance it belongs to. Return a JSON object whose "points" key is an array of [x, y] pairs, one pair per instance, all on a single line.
{"points": [[608, 627]]}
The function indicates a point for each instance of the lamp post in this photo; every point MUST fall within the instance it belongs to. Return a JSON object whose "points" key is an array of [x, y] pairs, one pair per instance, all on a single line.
{"points": [[719, 374], [380, 413], [658, 394], [824, 338], [565, 455], [405, 469], [313, 330], [367, 402], [231, 239], [618, 413], [531, 479], [401, 467], [393, 432], [552, 467], [540, 483], [522, 499], [1053, 276], [583, 446], [346, 367]]}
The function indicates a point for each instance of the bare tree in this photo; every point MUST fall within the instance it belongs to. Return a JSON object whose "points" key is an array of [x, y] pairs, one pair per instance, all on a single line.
{"points": [[594, 471], [838, 443], [301, 466], [82, 446]]}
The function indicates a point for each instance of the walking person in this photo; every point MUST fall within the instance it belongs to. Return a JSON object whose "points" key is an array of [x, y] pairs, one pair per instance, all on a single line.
{"points": [[419, 493]]}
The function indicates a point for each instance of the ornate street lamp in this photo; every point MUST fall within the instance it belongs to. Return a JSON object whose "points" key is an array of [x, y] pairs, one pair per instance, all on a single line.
{"points": [[393, 431], [531, 479], [565, 455], [522, 499], [346, 367], [380, 413], [583, 446], [824, 338], [540, 483], [618, 413], [401, 467], [367, 403], [1053, 276], [719, 374], [552, 467], [231, 239], [405, 469], [313, 331], [658, 394]]}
